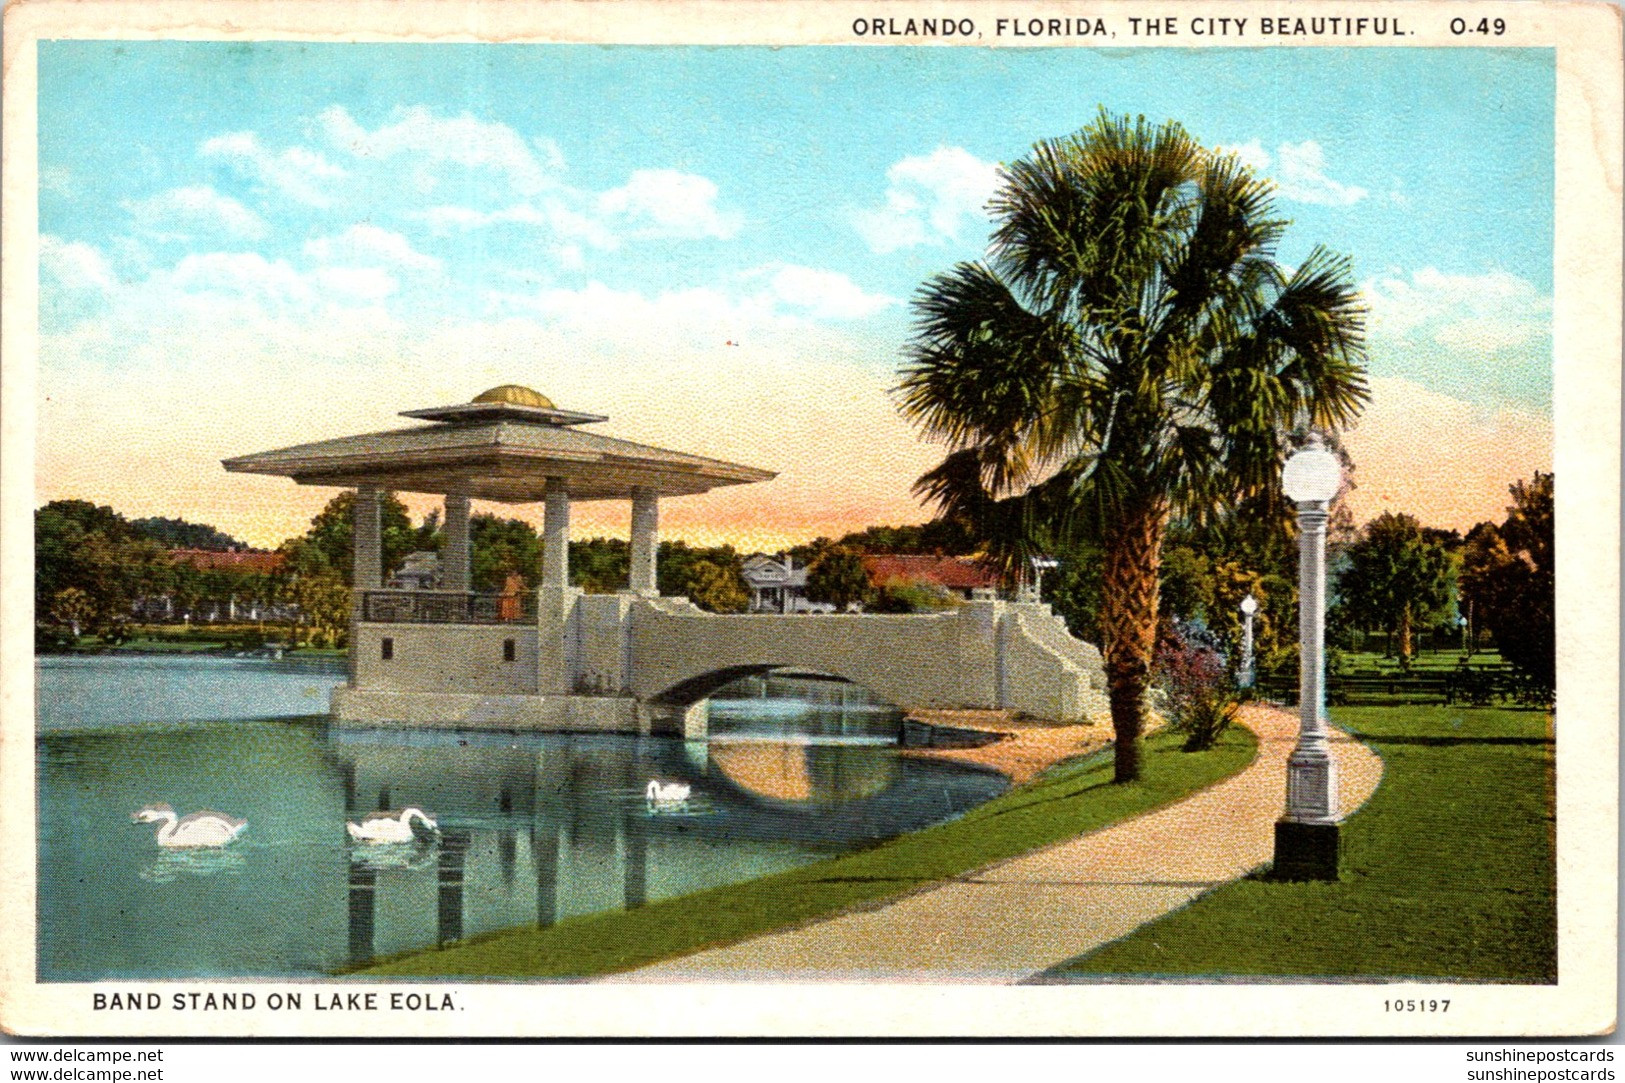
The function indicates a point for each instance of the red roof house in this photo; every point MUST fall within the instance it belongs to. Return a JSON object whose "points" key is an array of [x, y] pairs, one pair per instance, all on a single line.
{"points": [[958, 574], [247, 560]]}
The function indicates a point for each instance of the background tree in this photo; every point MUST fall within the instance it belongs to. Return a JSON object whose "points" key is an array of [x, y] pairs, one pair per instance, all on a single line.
{"points": [[428, 537], [837, 577], [601, 565], [1508, 577], [93, 550], [716, 588], [1073, 589], [318, 567], [1396, 579], [1204, 591], [1131, 352], [329, 543], [679, 571], [72, 608], [180, 534], [500, 548], [939, 537], [323, 600], [186, 589]]}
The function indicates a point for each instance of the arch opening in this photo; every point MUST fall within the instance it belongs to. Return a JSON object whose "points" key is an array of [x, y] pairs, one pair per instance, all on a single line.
{"points": [[781, 703]]}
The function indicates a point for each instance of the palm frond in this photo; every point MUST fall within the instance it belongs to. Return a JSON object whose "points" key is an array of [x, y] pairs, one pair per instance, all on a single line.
{"points": [[1130, 338]]}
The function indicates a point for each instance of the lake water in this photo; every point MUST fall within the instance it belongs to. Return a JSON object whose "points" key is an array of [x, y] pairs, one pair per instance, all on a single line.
{"points": [[535, 828]]}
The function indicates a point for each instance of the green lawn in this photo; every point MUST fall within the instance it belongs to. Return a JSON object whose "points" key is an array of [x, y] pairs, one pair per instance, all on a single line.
{"points": [[1068, 800], [197, 638], [1423, 661], [1448, 871]]}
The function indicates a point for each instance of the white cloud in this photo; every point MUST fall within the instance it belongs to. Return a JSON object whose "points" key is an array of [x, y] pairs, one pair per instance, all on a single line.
{"points": [[694, 315], [298, 172], [1299, 171], [248, 275], [824, 294], [196, 210], [366, 244], [74, 265], [1483, 313], [549, 215], [575, 225], [462, 140], [1252, 154], [668, 203], [931, 199], [653, 203], [777, 296], [364, 284], [444, 219]]}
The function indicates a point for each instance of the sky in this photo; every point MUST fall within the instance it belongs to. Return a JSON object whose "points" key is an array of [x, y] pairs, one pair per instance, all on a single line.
{"points": [[247, 246]]}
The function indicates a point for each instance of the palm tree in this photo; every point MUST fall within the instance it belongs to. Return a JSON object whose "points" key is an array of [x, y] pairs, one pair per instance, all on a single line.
{"points": [[1130, 350]]}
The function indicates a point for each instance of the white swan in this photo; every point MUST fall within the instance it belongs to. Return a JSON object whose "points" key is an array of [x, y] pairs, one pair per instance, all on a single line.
{"points": [[391, 826], [196, 830], [666, 795]]}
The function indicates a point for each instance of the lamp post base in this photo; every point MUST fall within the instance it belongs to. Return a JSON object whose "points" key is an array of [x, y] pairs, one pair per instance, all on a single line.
{"points": [[1306, 851]]}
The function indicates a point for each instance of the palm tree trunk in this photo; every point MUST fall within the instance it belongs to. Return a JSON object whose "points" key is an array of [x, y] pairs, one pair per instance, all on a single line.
{"points": [[1133, 563]]}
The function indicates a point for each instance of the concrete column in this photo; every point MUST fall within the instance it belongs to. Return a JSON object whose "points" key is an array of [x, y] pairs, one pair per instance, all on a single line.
{"points": [[697, 720], [1311, 771], [645, 541], [454, 556], [367, 545], [556, 535], [368, 538]]}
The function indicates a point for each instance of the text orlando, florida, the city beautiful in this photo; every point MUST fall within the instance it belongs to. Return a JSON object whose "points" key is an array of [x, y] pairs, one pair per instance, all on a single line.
{"points": [[948, 26]]}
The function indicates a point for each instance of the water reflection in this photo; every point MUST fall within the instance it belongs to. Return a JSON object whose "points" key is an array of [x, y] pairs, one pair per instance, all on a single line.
{"points": [[533, 829], [170, 865]]}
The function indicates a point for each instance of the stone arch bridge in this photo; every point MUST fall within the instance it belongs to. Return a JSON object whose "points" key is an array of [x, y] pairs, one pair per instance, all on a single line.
{"points": [[565, 661]]}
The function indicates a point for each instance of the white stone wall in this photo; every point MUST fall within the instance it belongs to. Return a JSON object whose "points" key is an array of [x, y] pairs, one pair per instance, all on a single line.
{"points": [[983, 654], [468, 710], [459, 658], [915, 660], [1043, 677], [605, 662]]}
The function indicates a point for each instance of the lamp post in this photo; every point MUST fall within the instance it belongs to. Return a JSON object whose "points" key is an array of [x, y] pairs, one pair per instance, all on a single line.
{"points": [[1040, 566], [1306, 837], [1249, 606]]}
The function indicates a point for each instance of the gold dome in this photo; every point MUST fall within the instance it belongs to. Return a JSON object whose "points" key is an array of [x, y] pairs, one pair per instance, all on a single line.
{"points": [[514, 395]]}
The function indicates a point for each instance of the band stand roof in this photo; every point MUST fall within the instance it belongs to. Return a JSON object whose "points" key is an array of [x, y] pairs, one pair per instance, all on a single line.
{"points": [[503, 446]]}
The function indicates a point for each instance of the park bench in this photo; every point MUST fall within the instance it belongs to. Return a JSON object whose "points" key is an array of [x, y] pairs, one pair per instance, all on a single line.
{"points": [[1474, 687]]}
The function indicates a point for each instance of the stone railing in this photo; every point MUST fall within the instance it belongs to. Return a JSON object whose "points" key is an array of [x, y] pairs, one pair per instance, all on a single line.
{"points": [[446, 607]]}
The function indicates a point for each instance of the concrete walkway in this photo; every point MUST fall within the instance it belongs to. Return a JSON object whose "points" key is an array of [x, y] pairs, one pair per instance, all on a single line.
{"points": [[1010, 921]]}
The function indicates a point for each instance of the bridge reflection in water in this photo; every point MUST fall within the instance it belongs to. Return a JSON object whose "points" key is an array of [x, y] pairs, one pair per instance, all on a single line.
{"points": [[536, 828], [797, 766]]}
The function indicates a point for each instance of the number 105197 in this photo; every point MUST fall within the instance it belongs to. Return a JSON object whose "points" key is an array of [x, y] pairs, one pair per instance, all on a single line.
{"points": [[1416, 1005]]}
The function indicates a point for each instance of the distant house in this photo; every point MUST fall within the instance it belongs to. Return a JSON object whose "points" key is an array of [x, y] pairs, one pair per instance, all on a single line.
{"points": [[777, 585], [246, 560], [960, 576], [163, 607], [419, 571]]}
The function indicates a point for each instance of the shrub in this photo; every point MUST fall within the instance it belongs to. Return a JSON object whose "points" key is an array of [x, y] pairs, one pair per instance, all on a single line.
{"points": [[901, 597], [1198, 698]]}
